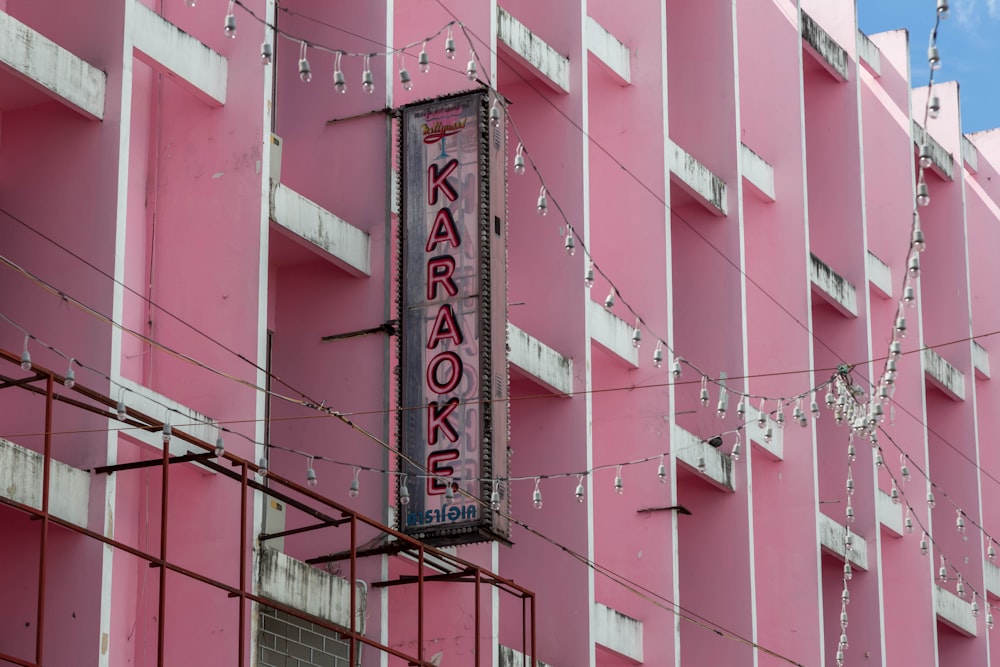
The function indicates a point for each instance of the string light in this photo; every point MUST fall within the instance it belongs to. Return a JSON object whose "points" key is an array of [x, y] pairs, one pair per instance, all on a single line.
{"points": [[908, 521], [960, 522], [339, 82], [931, 502], [933, 57], [619, 485], [404, 492], [923, 544], [676, 369], [220, 445], [934, 107], [570, 242], [925, 155], [449, 45], [262, 466], [230, 23], [495, 113], [923, 195], [942, 8], [367, 80], [311, 480], [609, 302], [588, 276], [355, 488], [536, 496], [720, 410], [636, 335], [661, 471], [121, 410], [266, 53], [543, 202], [913, 268], [658, 355], [305, 71], [70, 380], [519, 165], [580, 494], [470, 68], [404, 74], [703, 394], [167, 431], [495, 496], [734, 453], [423, 60], [25, 356], [449, 490]]}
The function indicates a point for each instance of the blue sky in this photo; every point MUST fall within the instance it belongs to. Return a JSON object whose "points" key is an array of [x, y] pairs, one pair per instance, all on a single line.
{"points": [[969, 43]]}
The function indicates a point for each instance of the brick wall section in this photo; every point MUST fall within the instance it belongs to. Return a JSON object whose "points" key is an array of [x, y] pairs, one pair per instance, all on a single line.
{"points": [[286, 641]]}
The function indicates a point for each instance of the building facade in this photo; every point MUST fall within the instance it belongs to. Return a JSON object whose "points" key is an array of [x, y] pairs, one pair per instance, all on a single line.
{"points": [[750, 413]]}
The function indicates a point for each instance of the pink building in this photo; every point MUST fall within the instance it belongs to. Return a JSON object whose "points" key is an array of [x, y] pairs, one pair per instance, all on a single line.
{"points": [[200, 292]]}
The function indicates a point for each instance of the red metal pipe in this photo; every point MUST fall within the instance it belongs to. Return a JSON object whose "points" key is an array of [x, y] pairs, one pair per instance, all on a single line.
{"points": [[478, 630], [243, 565], [44, 540], [533, 648], [164, 503], [17, 661], [420, 604], [354, 589]]}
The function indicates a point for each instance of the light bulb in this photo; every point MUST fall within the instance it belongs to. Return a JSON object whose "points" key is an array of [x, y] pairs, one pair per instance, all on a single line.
{"points": [[220, 446], [404, 493], [734, 454], [121, 410], [190, 3], [536, 497], [895, 348], [845, 596], [908, 524], [580, 494], [262, 466], [355, 488], [989, 620], [704, 397], [768, 433], [470, 68], [913, 269], [367, 80], [960, 522], [230, 25], [721, 408], [894, 494], [658, 355], [702, 464], [167, 433], [904, 470], [909, 295], [934, 107], [879, 461], [839, 658], [942, 8], [339, 83], [852, 453], [495, 113], [814, 407], [305, 72], [588, 275], [449, 491], [636, 336], [925, 156], [960, 587], [449, 45], [609, 302], [930, 500], [843, 637], [619, 485], [266, 53], [991, 552], [423, 60], [780, 417], [25, 356], [849, 514], [676, 369], [798, 416], [311, 480], [70, 380], [917, 240], [923, 544], [849, 540], [923, 195], [495, 497], [974, 607], [570, 243], [849, 485], [661, 471], [900, 327], [741, 408], [519, 160], [404, 79], [848, 572], [933, 57], [543, 202], [843, 618]]}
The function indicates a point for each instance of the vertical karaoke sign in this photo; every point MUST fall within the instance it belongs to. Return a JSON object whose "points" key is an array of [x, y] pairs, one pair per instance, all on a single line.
{"points": [[453, 419]]}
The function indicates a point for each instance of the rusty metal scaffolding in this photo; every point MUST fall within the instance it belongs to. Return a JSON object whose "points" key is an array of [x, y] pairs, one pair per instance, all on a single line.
{"points": [[445, 566]]}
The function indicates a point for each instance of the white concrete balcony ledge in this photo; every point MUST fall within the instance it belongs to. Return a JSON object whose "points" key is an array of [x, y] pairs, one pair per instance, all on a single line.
{"points": [[869, 54], [612, 333], [698, 180], [333, 238], [508, 657], [21, 481], [309, 589], [144, 400], [774, 449], [171, 51], [944, 376], [69, 79], [954, 611], [831, 55], [540, 58], [831, 540], [617, 632], [879, 276], [758, 174], [991, 577], [834, 289], [688, 448], [539, 362], [609, 52], [890, 514], [942, 162], [970, 155], [980, 361]]}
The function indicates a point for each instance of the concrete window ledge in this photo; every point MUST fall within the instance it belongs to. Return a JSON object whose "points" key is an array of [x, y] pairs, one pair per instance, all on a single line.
{"points": [[833, 288], [879, 276], [689, 448], [942, 162], [613, 333], [21, 481], [698, 180], [980, 361], [869, 54], [609, 52], [944, 376], [508, 657], [617, 632], [758, 174], [954, 611], [831, 540], [890, 515], [539, 362], [542, 60], [831, 55]]}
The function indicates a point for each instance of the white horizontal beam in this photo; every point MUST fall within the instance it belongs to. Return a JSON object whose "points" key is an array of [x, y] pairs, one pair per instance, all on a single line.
{"points": [[611, 53], [21, 481], [690, 449], [980, 361], [869, 54], [550, 66], [539, 362], [880, 276], [970, 155], [831, 539], [617, 632], [832, 287], [831, 55], [339, 241], [954, 611], [890, 514], [69, 79], [612, 333], [509, 657], [943, 375], [295, 584], [758, 174], [168, 49], [942, 162], [992, 578], [698, 180], [157, 406]]}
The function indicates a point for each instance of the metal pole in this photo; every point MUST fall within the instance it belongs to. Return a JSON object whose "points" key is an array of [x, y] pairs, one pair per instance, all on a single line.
{"points": [[44, 541], [533, 648], [478, 619], [420, 604], [164, 501], [243, 564], [354, 589]]}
